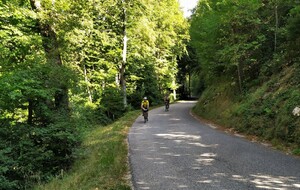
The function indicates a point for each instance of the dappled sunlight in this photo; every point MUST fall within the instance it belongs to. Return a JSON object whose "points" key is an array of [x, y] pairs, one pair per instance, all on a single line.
{"points": [[205, 181], [183, 138], [260, 181], [196, 166], [164, 147], [204, 145], [219, 175], [208, 180], [143, 184], [239, 178], [170, 177], [181, 133], [200, 158], [179, 141], [192, 159], [182, 186], [206, 159], [186, 141], [208, 155], [159, 162], [175, 136], [174, 119], [274, 182], [171, 154], [148, 158], [162, 114]]}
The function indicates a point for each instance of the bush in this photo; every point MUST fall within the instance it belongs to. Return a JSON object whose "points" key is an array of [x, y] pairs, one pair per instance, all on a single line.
{"points": [[31, 154], [112, 104]]}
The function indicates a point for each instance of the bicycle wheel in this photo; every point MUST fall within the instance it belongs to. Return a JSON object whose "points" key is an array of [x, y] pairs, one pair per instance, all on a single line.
{"points": [[145, 116], [167, 107]]}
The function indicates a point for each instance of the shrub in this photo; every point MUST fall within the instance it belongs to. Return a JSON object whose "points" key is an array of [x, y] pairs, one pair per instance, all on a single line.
{"points": [[31, 154]]}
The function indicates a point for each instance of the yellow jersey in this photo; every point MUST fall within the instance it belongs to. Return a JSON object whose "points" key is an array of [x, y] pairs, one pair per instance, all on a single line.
{"points": [[145, 104]]}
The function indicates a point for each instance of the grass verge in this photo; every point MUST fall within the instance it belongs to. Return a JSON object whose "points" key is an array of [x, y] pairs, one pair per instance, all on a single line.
{"points": [[104, 164]]}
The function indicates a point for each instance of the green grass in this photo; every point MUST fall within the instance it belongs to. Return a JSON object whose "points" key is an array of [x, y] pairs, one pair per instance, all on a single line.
{"points": [[296, 152], [104, 164]]}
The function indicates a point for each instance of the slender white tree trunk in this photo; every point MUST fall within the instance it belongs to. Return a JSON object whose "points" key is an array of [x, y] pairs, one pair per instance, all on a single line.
{"points": [[87, 82], [124, 54]]}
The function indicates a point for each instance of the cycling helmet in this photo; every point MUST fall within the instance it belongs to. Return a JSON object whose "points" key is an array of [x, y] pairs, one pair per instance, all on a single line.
{"points": [[145, 98]]}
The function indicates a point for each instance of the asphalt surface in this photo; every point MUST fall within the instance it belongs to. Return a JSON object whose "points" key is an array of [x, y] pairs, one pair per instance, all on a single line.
{"points": [[175, 151]]}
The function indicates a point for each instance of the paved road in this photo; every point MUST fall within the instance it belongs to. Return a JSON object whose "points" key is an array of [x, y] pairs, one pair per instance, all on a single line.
{"points": [[175, 151]]}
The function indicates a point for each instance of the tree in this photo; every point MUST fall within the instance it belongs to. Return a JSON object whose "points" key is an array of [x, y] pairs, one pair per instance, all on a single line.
{"points": [[248, 51], [62, 68], [156, 38], [33, 108], [293, 32], [51, 47], [187, 68], [205, 32], [228, 43]]}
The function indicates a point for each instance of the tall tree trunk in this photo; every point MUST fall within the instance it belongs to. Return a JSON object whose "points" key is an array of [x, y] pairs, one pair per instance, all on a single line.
{"points": [[30, 111], [276, 26], [174, 90], [190, 92], [87, 82], [239, 77], [237, 62], [51, 46], [124, 54]]}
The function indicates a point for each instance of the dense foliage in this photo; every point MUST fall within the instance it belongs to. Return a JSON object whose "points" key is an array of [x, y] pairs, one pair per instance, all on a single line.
{"points": [[62, 65], [248, 62]]}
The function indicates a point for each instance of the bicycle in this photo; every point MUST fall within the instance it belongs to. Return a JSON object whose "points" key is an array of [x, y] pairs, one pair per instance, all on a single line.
{"points": [[145, 114], [167, 105]]}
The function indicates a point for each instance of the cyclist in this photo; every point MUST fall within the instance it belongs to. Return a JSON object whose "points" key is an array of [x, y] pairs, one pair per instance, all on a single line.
{"points": [[167, 101], [145, 108]]}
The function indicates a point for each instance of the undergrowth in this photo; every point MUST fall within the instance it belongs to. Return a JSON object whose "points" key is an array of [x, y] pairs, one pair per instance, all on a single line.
{"points": [[265, 111], [103, 164]]}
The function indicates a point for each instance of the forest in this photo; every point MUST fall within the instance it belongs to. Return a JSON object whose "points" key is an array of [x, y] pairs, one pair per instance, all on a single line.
{"points": [[67, 65], [245, 58]]}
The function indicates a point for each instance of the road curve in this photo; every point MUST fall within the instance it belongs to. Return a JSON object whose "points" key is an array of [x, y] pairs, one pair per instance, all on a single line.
{"points": [[175, 151]]}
